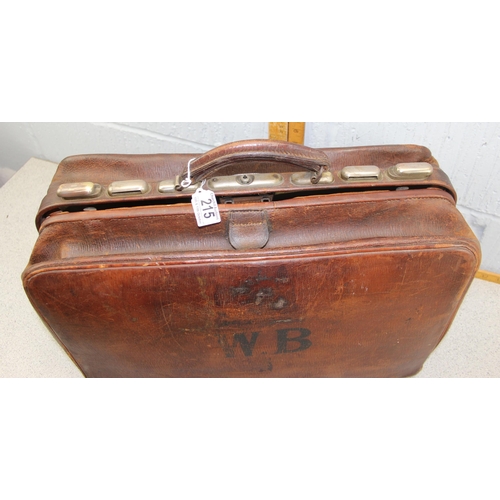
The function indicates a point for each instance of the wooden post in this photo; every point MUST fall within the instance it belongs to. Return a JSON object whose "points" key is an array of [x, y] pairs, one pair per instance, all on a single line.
{"points": [[287, 131]]}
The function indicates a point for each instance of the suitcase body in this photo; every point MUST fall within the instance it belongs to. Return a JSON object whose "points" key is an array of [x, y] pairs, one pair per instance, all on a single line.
{"points": [[339, 262]]}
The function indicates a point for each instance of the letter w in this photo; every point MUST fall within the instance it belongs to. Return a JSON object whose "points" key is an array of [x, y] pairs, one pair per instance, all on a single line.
{"points": [[238, 338]]}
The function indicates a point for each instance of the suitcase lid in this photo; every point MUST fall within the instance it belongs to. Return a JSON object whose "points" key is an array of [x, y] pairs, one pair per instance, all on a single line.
{"points": [[237, 170]]}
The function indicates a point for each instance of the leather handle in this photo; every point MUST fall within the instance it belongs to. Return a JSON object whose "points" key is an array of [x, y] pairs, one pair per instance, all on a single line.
{"points": [[296, 155]]}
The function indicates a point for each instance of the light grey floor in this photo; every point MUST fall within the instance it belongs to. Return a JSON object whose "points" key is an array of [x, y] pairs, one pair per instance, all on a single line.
{"points": [[27, 349]]}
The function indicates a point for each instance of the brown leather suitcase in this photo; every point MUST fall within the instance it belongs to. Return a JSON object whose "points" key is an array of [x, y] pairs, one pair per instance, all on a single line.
{"points": [[336, 262]]}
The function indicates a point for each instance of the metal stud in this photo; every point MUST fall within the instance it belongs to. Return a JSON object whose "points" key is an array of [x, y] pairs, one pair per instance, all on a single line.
{"points": [[75, 190], [124, 188], [360, 173], [417, 170]]}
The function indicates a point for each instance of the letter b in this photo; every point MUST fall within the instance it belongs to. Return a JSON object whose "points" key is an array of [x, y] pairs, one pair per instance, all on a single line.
{"points": [[284, 339]]}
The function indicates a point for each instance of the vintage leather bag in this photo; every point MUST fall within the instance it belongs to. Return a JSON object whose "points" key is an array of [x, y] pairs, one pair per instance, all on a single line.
{"points": [[336, 262]]}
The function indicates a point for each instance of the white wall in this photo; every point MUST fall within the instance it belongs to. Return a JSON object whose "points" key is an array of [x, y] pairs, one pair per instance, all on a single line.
{"points": [[54, 141], [468, 152]]}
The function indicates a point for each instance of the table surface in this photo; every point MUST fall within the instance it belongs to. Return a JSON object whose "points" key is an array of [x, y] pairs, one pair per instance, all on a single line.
{"points": [[471, 348]]}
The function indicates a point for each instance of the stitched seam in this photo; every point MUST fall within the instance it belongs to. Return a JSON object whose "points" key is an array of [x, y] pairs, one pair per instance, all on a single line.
{"points": [[400, 199], [271, 154], [248, 224]]}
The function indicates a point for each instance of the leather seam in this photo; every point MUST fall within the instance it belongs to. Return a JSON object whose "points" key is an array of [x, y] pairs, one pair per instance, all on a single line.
{"points": [[139, 217], [248, 224], [346, 252]]}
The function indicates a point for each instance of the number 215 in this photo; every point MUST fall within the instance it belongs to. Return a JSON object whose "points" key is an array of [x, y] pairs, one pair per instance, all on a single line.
{"points": [[206, 214]]}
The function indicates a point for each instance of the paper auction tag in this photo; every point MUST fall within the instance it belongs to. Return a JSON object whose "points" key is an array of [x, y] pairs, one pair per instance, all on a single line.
{"points": [[205, 207]]}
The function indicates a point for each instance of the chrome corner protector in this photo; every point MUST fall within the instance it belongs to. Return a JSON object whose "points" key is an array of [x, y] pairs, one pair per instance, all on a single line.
{"points": [[360, 173], [75, 190], [417, 170], [124, 188]]}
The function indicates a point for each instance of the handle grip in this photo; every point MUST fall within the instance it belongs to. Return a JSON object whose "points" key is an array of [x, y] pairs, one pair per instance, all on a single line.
{"points": [[252, 151]]}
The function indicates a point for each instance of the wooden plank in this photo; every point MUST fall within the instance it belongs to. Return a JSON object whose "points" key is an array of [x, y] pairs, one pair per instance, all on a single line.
{"points": [[488, 276], [278, 131], [296, 131]]}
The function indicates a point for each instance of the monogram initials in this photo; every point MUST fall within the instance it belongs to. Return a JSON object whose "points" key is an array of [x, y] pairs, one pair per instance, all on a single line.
{"points": [[288, 340]]}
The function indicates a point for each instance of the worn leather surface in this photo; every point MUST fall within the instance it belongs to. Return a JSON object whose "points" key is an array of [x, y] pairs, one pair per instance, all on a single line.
{"points": [[351, 280]]}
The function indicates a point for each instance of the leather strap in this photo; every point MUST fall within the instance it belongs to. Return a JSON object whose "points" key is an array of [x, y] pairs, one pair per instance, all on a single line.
{"points": [[248, 229]]}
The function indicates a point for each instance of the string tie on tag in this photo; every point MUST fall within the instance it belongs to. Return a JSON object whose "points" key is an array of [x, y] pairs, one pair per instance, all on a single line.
{"points": [[185, 183]]}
